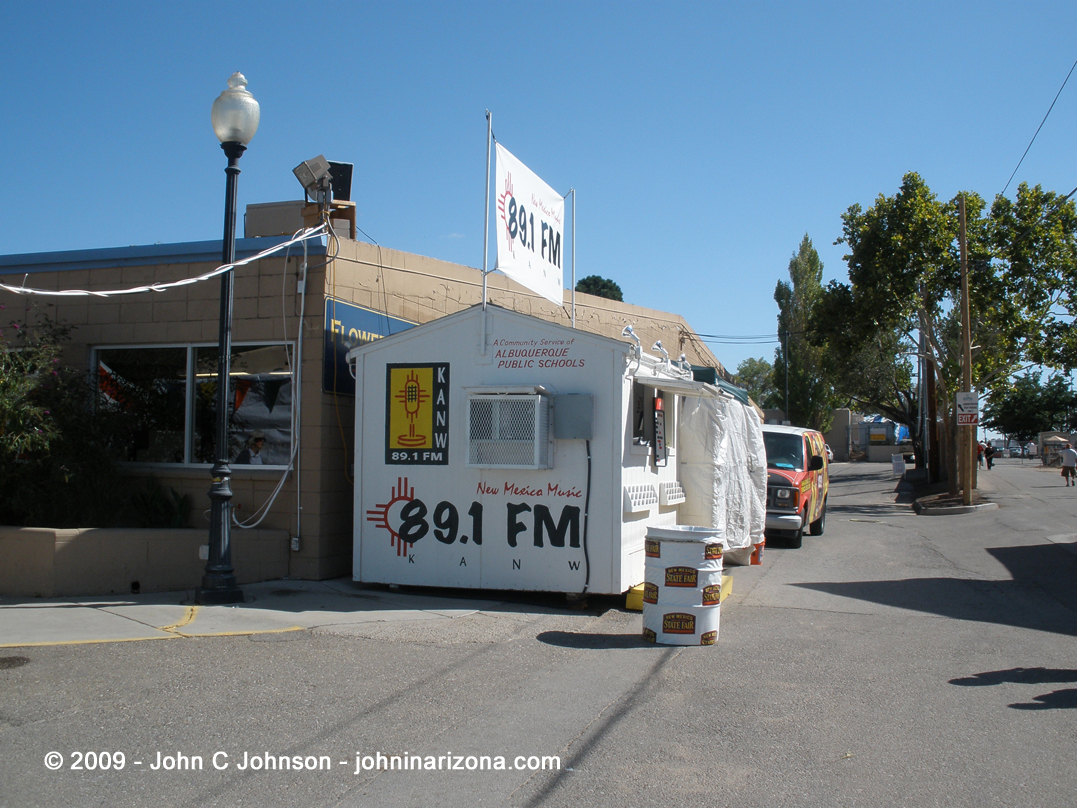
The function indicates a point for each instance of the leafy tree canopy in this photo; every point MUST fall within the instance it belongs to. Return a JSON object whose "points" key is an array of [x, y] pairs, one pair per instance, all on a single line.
{"points": [[1034, 238], [905, 276], [757, 377], [600, 287], [56, 465], [799, 360], [1027, 407], [905, 279]]}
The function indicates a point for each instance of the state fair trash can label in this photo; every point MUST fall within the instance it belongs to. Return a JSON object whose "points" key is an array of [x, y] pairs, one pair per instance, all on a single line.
{"points": [[682, 586]]}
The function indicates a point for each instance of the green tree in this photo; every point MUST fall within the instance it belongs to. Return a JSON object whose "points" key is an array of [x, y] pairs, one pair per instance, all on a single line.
{"points": [[56, 465], [905, 279], [757, 377], [1026, 407], [799, 359], [27, 366], [599, 286], [1034, 238], [872, 370]]}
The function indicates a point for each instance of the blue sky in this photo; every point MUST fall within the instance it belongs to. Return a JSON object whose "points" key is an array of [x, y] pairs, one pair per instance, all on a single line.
{"points": [[704, 139]]}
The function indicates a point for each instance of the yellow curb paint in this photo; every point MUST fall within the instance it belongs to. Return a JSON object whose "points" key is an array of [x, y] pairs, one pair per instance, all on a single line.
{"points": [[245, 633], [187, 618], [175, 635], [86, 642]]}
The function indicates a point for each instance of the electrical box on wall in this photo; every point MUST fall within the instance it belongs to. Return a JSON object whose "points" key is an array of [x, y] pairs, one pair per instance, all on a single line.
{"points": [[574, 417]]}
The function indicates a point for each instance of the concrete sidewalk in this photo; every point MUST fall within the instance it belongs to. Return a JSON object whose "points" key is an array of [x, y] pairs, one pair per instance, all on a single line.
{"points": [[270, 607]]}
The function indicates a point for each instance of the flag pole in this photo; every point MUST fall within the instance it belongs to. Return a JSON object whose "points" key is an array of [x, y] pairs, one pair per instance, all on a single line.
{"points": [[486, 229], [573, 192], [486, 218]]}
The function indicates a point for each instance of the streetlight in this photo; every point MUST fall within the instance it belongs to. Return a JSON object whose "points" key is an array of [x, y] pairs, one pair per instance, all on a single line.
{"points": [[235, 120]]}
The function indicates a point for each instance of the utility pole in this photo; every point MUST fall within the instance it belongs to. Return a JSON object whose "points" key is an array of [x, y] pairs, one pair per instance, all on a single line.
{"points": [[934, 456], [968, 444], [926, 438], [931, 433], [785, 352]]}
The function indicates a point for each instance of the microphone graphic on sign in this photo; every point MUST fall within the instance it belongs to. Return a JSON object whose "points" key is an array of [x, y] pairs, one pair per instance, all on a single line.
{"points": [[412, 396]]}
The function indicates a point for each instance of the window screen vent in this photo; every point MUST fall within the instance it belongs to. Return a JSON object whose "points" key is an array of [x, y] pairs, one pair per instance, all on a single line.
{"points": [[508, 431]]}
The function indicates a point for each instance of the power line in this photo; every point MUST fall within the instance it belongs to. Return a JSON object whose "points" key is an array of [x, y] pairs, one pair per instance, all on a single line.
{"points": [[737, 336], [748, 339], [1038, 128], [768, 341]]}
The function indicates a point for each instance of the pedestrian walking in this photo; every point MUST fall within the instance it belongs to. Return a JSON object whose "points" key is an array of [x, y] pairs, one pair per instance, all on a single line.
{"points": [[1069, 465], [989, 453], [980, 453]]}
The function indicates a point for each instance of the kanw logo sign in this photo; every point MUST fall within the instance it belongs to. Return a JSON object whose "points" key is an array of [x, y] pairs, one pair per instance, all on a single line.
{"points": [[417, 414]]}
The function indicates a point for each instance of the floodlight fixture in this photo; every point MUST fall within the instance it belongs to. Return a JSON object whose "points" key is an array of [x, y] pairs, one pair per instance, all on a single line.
{"points": [[313, 175], [631, 334]]}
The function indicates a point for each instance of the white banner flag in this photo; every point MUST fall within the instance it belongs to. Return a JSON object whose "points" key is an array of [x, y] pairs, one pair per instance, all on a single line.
{"points": [[531, 218]]}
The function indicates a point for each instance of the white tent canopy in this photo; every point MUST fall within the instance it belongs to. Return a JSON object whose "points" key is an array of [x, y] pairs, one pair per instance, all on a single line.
{"points": [[723, 469]]}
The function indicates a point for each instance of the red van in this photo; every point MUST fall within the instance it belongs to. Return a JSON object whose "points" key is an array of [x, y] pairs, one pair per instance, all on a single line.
{"points": [[798, 480]]}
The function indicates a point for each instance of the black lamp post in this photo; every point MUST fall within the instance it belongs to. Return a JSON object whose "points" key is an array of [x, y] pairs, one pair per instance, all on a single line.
{"points": [[235, 120]]}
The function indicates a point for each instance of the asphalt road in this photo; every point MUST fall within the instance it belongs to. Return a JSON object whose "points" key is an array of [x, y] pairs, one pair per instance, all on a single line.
{"points": [[896, 660]]}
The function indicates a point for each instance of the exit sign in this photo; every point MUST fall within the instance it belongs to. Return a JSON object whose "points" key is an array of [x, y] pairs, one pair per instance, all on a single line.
{"points": [[968, 409]]}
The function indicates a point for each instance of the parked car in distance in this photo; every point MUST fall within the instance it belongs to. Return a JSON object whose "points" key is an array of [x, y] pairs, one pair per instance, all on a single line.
{"points": [[798, 481], [829, 453]]}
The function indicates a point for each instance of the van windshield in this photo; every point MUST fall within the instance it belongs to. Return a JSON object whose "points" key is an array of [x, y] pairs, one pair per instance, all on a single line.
{"points": [[784, 451]]}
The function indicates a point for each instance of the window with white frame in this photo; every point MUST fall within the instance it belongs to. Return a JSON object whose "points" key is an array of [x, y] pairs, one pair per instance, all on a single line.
{"points": [[170, 394]]}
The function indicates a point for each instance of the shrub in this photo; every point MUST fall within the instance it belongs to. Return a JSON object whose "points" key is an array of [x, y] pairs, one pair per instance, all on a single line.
{"points": [[56, 458]]}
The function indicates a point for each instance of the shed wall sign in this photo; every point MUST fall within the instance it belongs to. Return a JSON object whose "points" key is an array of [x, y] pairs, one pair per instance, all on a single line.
{"points": [[538, 353], [417, 414]]}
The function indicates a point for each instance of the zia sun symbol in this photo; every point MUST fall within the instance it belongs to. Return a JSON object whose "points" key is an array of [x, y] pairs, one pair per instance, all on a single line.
{"points": [[379, 515], [501, 202]]}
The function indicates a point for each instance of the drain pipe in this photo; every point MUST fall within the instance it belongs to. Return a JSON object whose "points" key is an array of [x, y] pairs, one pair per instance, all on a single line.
{"points": [[297, 404]]}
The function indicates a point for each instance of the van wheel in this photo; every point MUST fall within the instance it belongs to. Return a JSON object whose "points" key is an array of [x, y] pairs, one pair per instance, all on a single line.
{"points": [[798, 538], [819, 525]]}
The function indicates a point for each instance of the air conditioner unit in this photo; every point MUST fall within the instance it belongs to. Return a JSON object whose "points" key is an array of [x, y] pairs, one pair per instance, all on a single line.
{"points": [[509, 431]]}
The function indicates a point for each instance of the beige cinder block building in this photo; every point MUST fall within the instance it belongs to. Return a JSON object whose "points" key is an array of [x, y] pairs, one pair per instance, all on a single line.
{"points": [[295, 316]]}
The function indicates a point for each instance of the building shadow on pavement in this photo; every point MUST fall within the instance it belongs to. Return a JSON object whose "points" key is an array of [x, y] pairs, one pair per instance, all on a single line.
{"points": [[1037, 571]]}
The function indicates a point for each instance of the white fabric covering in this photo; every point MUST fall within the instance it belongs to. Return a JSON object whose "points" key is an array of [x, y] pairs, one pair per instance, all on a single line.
{"points": [[723, 470]]}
